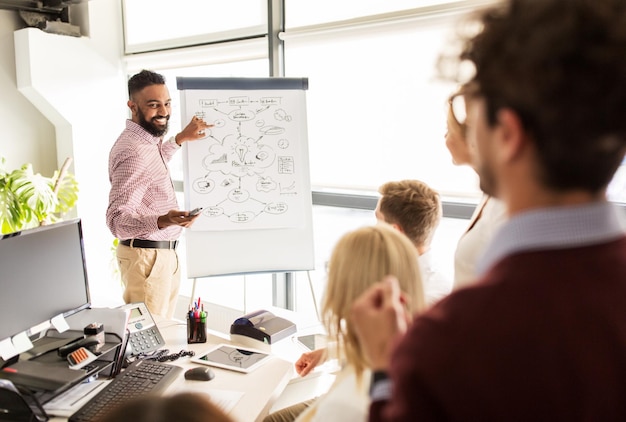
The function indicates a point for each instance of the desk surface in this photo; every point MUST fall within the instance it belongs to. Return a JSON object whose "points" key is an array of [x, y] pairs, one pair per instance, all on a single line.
{"points": [[260, 388]]}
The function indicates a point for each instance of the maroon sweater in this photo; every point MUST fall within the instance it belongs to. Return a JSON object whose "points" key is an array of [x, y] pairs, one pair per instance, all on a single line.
{"points": [[541, 337]]}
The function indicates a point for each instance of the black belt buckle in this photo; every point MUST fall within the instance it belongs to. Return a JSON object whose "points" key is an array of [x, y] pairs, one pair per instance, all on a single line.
{"points": [[150, 244]]}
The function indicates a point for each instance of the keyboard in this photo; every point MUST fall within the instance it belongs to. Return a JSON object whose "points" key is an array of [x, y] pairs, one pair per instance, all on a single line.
{"points": [[141, 377]]}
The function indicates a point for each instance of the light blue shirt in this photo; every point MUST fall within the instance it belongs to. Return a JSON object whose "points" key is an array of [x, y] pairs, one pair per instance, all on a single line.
{"points": [[554, 228]]}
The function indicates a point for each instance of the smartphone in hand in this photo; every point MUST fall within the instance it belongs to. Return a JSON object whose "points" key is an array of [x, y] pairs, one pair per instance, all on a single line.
{"points": [[195, 211]]}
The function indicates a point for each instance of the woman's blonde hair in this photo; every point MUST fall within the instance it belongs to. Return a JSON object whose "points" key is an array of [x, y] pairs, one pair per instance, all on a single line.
{"points": [[360, 259]]}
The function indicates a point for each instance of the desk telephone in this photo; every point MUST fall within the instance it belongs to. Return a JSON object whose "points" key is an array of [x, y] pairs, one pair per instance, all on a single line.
{"points": [[144, 336]]}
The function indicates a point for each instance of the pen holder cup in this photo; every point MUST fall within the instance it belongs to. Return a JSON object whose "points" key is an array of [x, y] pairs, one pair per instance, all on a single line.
{"points": [[196, 330]]}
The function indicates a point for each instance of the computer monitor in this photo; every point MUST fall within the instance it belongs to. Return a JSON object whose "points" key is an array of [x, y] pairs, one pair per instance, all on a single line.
{"points": [[42, 275]]}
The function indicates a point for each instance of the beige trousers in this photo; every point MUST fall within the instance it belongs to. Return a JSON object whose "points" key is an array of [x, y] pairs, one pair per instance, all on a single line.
{"points": [[151, 276]]}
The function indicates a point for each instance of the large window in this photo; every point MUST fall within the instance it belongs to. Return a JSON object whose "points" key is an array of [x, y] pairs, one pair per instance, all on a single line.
{"points": [[376, 109], [376, 106], [306, 13], [151, 25]]}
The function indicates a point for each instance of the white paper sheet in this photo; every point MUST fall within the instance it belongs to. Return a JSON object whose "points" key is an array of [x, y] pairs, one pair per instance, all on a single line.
{"points": [[224, 399], [69, 402]]}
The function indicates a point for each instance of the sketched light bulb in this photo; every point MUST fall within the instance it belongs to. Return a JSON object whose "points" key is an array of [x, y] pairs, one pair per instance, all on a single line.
{"points": [[242, 150]]}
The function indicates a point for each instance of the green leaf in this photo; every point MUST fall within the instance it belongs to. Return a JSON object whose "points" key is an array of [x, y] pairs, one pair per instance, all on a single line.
{"points": [[11, 211], [35, 191], [67, 194], [29, 200]]}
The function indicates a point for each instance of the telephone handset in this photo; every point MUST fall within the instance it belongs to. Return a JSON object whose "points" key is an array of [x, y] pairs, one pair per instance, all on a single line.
{"points": [[144, 336]]}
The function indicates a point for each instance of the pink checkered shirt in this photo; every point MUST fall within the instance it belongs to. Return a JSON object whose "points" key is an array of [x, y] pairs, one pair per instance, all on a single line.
{"points": [[141, 186]]}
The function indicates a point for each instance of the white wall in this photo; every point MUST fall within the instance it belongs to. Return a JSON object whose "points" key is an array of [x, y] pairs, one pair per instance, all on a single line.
{"points": [[26, 136], [77, 108]]}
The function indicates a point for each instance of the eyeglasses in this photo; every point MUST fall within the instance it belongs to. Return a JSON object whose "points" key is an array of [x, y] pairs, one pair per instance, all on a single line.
{"points": [[458, 108]]}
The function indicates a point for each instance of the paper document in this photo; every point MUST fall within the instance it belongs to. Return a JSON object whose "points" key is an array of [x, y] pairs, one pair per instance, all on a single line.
{"points": [[66, 404], [224, 399]]}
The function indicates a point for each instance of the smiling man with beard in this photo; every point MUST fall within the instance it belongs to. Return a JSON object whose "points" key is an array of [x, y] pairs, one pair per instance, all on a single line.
{"points": [[143, 212]]}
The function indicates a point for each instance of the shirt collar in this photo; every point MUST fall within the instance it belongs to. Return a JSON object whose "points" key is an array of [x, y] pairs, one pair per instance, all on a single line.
{"points": [[554, 228], [137, 129], [425, 258]]}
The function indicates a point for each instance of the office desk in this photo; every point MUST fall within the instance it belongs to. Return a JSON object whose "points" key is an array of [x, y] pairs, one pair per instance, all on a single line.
{"points": [[260, 388]]}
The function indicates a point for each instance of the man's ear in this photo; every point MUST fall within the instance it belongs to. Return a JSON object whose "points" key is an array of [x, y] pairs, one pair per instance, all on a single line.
{"points": [[512, 133], [133, 107]]}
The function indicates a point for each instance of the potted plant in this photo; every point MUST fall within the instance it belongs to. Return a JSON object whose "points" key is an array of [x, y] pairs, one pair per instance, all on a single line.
{"points": [[29, 200]]}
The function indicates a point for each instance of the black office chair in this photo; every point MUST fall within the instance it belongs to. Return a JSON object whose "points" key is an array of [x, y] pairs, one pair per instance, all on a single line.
{"points": [[19, 406]]}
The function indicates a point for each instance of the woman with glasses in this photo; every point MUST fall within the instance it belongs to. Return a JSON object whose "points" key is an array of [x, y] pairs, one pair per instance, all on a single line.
{"points": [[489, 214]]}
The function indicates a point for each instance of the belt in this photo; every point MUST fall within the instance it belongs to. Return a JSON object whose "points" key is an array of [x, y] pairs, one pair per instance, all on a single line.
{"points": [[152, 244]]}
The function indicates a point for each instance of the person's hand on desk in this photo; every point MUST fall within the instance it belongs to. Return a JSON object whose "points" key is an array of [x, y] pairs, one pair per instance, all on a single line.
{"points": [[309, 360]]}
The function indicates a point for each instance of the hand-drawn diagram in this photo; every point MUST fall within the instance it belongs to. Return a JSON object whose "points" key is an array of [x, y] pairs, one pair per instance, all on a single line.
{"points": [[246, 172]]}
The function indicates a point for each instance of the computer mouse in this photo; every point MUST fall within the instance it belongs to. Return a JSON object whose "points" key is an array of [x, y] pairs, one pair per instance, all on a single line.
{"points": [[199, 373]]}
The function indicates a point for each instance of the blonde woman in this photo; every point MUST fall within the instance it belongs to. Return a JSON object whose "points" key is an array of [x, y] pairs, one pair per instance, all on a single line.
{"points": [[489, 214], [360, 259]]}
